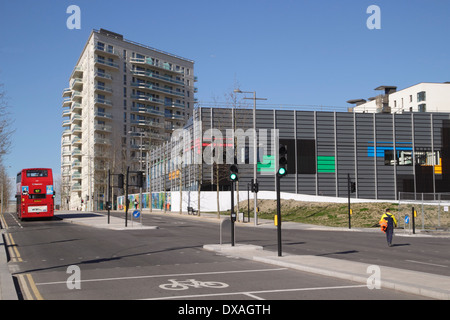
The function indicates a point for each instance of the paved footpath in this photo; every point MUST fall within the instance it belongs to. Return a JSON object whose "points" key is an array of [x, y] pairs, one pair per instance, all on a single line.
{"points": [[420, 283]]}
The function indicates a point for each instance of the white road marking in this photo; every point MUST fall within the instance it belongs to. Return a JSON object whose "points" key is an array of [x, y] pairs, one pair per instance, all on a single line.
{"points": [[252, 293], [427, 263], [166, 275]]}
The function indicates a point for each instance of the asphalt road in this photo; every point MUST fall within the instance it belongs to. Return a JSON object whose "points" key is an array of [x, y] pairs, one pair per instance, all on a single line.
{"points": [[169, 263]]}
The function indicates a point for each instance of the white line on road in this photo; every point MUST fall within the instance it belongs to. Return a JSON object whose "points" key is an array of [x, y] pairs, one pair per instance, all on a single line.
{"points": [[165, 275], [427, 263], [252, 293]]}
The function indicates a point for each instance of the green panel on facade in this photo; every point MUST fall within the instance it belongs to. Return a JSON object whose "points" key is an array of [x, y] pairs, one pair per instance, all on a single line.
{"points": [[326, 164]]}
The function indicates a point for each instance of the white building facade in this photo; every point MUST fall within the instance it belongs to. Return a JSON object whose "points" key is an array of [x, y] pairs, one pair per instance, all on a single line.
{"points": [[123, 97], [422, 97]]}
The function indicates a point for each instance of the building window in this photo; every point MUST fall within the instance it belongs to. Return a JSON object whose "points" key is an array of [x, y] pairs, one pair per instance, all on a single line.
{"points": [[422, 107], [421, 96], [422, 156]]}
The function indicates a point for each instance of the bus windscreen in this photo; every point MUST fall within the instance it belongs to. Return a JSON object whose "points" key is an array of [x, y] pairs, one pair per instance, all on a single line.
{"points": [[37, 173]]}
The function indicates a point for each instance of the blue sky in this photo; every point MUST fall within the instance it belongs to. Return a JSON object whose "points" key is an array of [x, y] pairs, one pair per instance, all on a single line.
{"points": [[292, 52]]}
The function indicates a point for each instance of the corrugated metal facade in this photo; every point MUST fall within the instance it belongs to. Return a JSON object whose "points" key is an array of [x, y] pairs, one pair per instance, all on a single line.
{"points": [[384, 153]]}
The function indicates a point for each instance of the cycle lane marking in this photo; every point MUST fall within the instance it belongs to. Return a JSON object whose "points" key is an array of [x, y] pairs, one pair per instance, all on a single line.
{"points": [[164, 275], [253, 293]]}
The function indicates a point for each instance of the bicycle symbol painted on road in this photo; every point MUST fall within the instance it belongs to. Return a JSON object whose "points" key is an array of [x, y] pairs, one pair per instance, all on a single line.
{"points": [[184, 285]]}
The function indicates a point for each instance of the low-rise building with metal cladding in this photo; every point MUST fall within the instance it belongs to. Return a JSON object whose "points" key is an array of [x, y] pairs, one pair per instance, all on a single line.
{"points": [[383, 153]]}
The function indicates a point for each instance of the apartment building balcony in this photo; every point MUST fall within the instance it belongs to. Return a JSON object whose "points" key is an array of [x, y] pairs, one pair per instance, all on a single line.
{"points": [[102, 128], [106, 64], [76, 176], [103, 89], [172, 126], [67, 102], [67, 92], [76, 152], [103, 115], [76, 84], [146, 123], [66, 112], [147, 110], [76, 164], [76, 106], [65, 163], [66, 142], [66, 123], [102, 76], [155, 136], [76, 141], [76, 96], [76, 129], [66, 153], [77, 72], [66, 132], [76, 187], [166, 66], [65, 173], [105, 50], [103, 102], [148, 74], [102, 141], [174, 105], [142, 97], [75, 117], [150, 87], [173, 116]]}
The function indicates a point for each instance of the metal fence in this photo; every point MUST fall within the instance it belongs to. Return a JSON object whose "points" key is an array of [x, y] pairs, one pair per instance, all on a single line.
{"points": [[432, 211]]}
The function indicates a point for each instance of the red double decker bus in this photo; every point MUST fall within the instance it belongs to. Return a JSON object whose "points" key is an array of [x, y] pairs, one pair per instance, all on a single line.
{"points": [[34, 193]]}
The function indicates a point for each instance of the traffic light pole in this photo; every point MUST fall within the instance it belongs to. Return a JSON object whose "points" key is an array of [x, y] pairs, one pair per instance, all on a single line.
{"points": [[232, 214], [108, 201], [278, 216], [348, 192], [126, 197]]}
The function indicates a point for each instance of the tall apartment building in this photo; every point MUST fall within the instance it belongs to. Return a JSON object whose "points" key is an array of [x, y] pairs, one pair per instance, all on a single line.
{"points": [[123, 98]]}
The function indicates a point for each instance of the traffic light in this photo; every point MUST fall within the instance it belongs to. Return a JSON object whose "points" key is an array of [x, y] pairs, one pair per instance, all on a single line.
{"points": [[120, 180], [282, 161], [255, 186], [233, 172], [140, 179]]}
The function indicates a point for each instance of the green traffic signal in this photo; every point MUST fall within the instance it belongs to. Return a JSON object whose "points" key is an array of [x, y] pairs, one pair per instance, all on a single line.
{"points": [[233, 172], [282, 171]]}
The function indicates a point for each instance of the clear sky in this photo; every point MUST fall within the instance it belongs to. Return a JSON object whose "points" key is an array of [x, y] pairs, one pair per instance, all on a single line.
{"points": [[292, 52]]}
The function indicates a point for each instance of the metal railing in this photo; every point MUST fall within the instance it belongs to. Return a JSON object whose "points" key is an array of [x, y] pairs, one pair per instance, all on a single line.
{"points": [[432, 210]]}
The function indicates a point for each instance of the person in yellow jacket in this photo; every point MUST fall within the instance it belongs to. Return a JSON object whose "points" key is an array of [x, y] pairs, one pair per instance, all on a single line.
{"points": [[387, 223]]}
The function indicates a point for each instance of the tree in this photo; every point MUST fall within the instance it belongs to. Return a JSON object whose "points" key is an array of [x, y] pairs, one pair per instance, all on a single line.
{"points": [[6, 122]]}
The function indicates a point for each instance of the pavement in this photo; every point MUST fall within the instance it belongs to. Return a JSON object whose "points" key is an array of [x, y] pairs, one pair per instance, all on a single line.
{"points": [[420, 283]]}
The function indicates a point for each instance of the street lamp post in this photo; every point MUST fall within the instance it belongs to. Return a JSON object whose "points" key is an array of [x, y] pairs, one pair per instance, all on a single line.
{"points": [[255, 147]]}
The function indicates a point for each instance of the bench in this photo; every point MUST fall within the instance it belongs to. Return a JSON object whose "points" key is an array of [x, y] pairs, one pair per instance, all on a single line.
{"points": [[192, 211]]}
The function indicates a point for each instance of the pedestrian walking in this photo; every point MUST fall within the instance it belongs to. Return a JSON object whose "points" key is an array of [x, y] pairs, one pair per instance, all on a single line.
{"points": [[387, 223], [135, 204]]}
